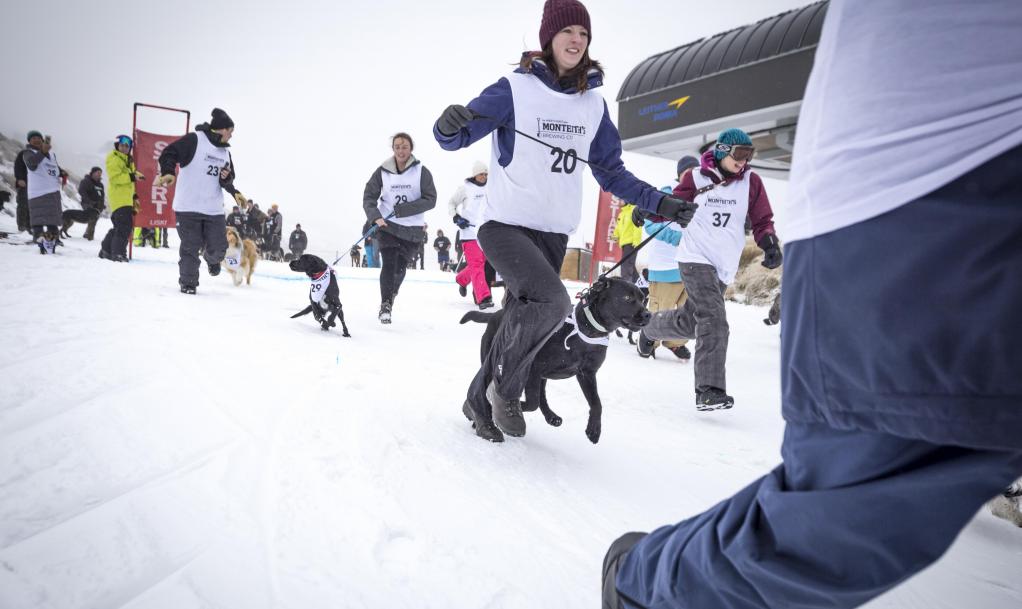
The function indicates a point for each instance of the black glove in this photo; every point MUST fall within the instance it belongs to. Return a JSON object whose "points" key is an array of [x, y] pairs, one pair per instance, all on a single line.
{"points": [[453, 119], [771, 251], [461, 222], [639, 216], [679, 210], [612, 562]]}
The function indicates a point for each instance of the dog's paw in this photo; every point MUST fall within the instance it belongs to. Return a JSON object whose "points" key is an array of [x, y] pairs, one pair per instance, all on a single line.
{"points": [[554, 420], [593, 432], [345, 334]]}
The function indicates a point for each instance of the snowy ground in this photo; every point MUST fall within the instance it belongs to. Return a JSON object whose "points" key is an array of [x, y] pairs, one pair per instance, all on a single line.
{"points": [[159, 450]]}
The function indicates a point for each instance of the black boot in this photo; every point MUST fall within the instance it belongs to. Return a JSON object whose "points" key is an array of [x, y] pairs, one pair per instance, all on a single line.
{"points": [[463, 290], [385, 310], [712, 398], [484, 429], [645, 347], [188, 289], [486, 303], [507, 414]]}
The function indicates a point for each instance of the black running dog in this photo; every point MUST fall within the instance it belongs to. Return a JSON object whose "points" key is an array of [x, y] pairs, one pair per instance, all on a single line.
{"points": [[579, 347], [324, 297]]}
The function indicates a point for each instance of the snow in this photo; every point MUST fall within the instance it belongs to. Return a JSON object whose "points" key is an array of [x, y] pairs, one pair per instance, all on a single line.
{"points": [[159, 450]]}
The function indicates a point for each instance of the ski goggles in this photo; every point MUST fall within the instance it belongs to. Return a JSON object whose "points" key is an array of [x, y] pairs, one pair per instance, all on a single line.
{"points": [[739, 152], [123, 139]]}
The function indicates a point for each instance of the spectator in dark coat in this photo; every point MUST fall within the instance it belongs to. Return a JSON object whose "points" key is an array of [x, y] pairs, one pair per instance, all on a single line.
{"points": [[273, 230], [442, 245], [93, 196], [236, 219], [298, 242]]}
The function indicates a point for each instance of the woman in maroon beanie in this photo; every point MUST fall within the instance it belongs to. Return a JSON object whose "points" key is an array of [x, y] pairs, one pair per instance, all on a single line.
{"points": [[534, 196]]}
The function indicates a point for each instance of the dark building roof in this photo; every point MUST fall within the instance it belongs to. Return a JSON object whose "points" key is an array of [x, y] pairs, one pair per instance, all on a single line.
{"points": [[752, 77], [777, 35]]}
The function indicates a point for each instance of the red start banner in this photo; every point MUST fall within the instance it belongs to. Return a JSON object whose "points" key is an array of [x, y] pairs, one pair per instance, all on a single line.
{"points": [[605, 247], [155, 201]]}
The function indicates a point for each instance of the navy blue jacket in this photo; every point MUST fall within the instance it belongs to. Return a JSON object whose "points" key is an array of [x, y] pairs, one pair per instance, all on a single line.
{"points": [[497, 104]]}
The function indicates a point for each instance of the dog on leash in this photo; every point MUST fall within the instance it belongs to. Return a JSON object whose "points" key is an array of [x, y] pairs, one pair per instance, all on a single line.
{"points": [[240, 259], [577, 349], [324, 295], [79, 216]]}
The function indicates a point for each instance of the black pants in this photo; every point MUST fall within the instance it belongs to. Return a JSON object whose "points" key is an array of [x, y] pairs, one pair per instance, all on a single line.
{"points": [[115, 243], [396, 254], [628, 270], [21, 210], [535, 305], [199, 232]]}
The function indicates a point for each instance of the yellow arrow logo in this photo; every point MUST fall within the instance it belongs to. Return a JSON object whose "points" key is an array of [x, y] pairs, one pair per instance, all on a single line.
{"points": [[676, 104]]}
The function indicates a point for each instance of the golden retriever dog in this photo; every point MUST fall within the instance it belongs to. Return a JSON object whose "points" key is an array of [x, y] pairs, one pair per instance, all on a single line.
{"points": [[241, 257]]}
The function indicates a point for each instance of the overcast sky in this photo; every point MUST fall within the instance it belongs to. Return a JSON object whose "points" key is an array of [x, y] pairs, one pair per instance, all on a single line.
{"points": [[315, 87]]}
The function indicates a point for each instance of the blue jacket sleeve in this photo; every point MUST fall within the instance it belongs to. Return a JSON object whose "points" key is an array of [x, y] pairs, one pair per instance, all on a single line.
{"points": [[605, 151], [668, 235], [496, 104]]}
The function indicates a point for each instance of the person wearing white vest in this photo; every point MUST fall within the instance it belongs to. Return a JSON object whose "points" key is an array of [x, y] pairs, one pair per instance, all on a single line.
{"points": [[708, 255], [534, 196], [206, 169], [396, 199], [45, 208], [465, 207]]}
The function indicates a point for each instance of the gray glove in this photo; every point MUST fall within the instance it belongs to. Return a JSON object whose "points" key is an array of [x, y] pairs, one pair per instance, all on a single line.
{"points": [[453, 119]]}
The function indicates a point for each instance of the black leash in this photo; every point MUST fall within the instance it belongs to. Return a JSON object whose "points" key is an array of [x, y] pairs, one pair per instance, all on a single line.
{"points": [[571, 153], [567, 153], [368, 234], [650, 238]]}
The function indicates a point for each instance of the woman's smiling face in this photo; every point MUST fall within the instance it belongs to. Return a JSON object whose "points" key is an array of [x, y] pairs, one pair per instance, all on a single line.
{"points": [[569, 45]]}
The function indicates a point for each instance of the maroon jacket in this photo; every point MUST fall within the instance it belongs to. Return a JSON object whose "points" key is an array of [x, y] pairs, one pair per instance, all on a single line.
{"points": [[760, 213]]}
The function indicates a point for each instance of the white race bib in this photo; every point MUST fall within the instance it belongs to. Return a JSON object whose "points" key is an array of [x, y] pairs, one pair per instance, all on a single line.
{"points": [[319, 286]]}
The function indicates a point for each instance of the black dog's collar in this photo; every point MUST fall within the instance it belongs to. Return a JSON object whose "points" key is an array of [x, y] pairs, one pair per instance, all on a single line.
{"points": [[602, 337]]}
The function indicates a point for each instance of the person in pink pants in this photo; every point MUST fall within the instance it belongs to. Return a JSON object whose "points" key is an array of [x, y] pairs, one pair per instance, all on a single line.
{"points": [[465, 206]]}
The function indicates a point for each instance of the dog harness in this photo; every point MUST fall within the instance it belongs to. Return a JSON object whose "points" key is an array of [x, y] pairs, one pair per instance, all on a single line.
{"points": [[592, 340], [317, 292]]}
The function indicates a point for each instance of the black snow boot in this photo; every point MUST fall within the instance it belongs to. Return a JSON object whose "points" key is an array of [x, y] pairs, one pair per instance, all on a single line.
{"points": [[682, 353], [463, 290], [711, 398], [645, 347], [188, 289], [385, 308], [507, 414], [214, 268], [486, 303], [484, 429]]}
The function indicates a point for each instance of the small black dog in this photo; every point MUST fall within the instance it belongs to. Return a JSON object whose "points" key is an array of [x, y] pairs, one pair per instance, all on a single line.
{"points": [[579, 347], [324, 297]]}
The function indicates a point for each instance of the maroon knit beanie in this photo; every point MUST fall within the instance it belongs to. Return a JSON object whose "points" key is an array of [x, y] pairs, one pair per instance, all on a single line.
{"points": [[559, 14]]}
